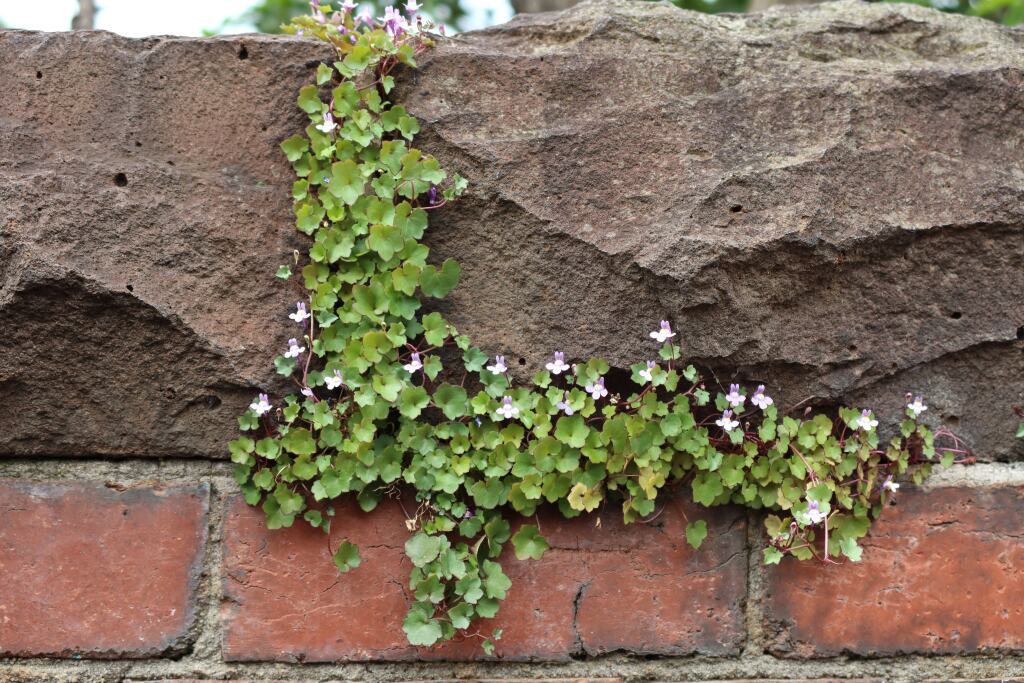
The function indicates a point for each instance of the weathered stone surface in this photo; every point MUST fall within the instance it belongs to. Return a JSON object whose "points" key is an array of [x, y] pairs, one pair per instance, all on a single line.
{"points": [[828, 200], [90, 570], [940, 575], [639, 589]]}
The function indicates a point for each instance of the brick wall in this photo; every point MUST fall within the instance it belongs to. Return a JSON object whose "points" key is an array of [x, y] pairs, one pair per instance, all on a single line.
{"points": [[143, 570]]}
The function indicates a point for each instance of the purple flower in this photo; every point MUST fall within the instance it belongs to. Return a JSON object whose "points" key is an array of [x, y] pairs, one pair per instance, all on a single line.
{"points": [[814, 512], [307, 392], [663, 333], [558, 366], [261, 405], [333, 381], [328, 125], [414, 364], [314, 7], [469, 514], [646, 374], [352, 39], [394, 23], [917, 407], [726, 422], [348, 6], [365, 16], [432, 196], [760, 399], [866, 421], [506, 409], [300, 314], [597, 389], [499, 366], [734, 397], [564, 406], [294, 350]]}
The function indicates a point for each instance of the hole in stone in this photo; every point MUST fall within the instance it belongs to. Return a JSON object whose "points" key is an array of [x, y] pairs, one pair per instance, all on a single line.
{"points": [[138, 144], [39, 74], [736, 208], [170, 163], [956, 315], [1020, 332], [522, 361], [211, 401], [243, 53], [129, 288], [124, 513], [121, 180], [852, 347]]}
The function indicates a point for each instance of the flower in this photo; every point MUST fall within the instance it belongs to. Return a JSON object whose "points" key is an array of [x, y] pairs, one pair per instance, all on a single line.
{"points": [[432, 196], [890, 485], [506, 409], [414, 364], [646, 374], [293, 349], [597, 389], [261, 405], [814, 512], [663, 333], [760, 399], [734, 397], [726, 422], [300, 314], [328, 125], [314, 7], [564, 406], [333, 381], [307, 392], [412, 7], [499, 365], [394, 23], [917, 407], [558, 366], [865, 421], [348, 6], [365, 16], [352, 39]]}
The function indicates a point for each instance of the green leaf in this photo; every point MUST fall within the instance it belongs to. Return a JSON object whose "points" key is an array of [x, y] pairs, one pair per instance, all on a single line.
{"points": [[347, 557], [294, 147], [309, 100], [528, 543], [461, 615], [452, 401], [772, 555], [299, 441], [347, 181], [437, 283], [412, 400], [423, 548], [696, 532], [496, 584], [283, 272], [420, 629], [572, 431], [386, 240]]}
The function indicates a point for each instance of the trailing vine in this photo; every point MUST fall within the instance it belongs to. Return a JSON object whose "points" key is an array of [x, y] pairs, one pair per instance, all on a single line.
{"points": [[378, 415]]}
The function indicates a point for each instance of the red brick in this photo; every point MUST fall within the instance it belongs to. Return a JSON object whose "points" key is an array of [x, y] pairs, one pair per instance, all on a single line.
{"points": [[89, 570], [941, 574], [639, 589]]}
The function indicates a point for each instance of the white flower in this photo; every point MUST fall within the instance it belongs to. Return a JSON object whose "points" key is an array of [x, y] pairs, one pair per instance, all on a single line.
{"points": [[814, 512], [645, 374], [866, 421], [726, 422], [333, 381], [499, 366], [760, 399], [328, 125], [307, 392], [261, 405], [663, 333], [414, 363], [597, 389], [890, 485], [557, 366], [506, 409], [563, 405], [300, 314], [917, 407], [293, 349], [734, 397]]}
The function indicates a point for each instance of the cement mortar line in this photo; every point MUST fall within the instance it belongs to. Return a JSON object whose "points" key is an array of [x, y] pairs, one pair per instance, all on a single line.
{"points": [[910, 669], [179, 471]]}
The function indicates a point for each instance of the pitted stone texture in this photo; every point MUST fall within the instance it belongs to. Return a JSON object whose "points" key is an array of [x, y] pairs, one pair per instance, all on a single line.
{"points": [[827, 200], [940, 575], [639, 589], [93, 571]]}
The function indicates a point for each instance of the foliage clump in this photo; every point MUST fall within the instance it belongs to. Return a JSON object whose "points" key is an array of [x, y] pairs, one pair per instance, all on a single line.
{"points": [[378, 415]]}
